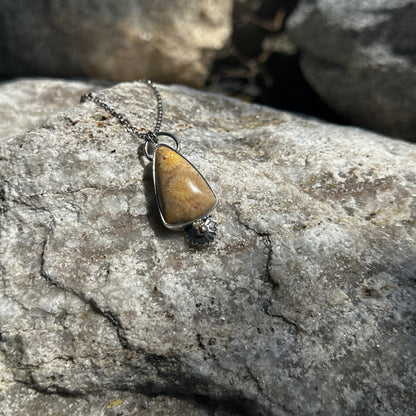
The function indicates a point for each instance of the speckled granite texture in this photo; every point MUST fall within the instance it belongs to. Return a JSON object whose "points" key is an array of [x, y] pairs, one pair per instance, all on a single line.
{"points": [[304, 305]]}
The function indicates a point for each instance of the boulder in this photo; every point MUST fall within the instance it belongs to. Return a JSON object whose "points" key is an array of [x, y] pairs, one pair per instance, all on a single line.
{"points": [[360, 58], [113, 40], [305, 303]]}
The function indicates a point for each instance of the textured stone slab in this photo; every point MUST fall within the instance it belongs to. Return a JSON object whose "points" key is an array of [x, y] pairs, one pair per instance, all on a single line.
{"points": [[304, 305]]}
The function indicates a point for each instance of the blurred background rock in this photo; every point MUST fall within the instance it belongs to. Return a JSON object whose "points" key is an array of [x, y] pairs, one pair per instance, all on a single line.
{"points": [[116, 40], [360, 57], [348, 61]]}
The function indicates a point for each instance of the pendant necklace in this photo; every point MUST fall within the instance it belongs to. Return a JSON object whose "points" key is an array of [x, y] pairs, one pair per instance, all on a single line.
{"points": [[184, 197]]}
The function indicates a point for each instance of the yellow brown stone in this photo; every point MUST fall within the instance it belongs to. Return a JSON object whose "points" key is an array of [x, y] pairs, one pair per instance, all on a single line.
{"points": [[183, 193]]}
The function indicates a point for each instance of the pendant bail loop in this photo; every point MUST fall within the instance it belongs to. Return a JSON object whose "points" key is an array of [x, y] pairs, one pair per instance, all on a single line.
{"points": [[154, 144]]}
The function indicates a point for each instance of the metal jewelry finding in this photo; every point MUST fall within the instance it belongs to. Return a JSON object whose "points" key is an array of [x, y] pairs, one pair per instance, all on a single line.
{"points": [[160, 133], [202, 231], [183, 195]]}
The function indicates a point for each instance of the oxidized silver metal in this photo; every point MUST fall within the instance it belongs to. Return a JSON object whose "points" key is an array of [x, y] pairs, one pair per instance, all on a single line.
{"points": [[202, 231], [160, 133]]}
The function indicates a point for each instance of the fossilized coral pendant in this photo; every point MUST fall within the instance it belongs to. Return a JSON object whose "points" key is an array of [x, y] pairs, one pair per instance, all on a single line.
{"points": [[183, 195]]}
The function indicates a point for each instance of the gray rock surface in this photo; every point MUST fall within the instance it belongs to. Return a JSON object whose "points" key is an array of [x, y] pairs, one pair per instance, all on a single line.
{"points": [[360, 56], [27, 103], [304, 305], [170, 41]]}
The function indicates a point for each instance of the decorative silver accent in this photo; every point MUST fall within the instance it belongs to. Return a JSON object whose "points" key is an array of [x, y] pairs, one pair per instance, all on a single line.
{"points": [[201, 232], [177, 227]]}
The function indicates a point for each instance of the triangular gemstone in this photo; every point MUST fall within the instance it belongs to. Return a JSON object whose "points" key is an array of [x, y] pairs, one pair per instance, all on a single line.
{"points": [[183, 193]]}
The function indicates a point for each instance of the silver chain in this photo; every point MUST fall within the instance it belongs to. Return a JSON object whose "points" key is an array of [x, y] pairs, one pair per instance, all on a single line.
{"points": [[148, 136]]}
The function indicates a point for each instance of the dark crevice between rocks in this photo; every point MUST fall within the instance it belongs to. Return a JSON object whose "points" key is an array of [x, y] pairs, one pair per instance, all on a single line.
{"points": [[290, 91], [261, 64]]}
